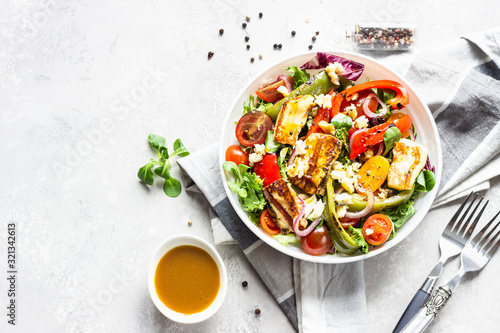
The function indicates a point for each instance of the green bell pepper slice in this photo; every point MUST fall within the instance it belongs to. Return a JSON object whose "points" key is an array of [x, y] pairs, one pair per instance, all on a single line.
{"points": [[320, 84], [342, 240], [359, 204]]}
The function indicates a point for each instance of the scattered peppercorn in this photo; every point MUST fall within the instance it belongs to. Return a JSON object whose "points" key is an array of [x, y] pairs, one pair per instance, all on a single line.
{"points": [[247, 18], [252, 59], [257, 312], [244, 25], [221, 32], [247, 38], [293, 32], [280, 46], [210, 55], [400, 106], [275, 46], [314, 39], [248, 46], [260, 15], [244, 284], [317, 33], [310, 47], [260, 56]]}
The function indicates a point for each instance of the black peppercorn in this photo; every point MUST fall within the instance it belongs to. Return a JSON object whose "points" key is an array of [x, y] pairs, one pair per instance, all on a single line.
{"points": [[244, 284], [275, 46], [399, 105], [252, 59], [257, 311], [221, 31], [248, 46], [260, 15], [317, 33], [293, 32], [280, 46], [310, 47], [314, 38], [244, 25], [210, 55], [247, 38]]}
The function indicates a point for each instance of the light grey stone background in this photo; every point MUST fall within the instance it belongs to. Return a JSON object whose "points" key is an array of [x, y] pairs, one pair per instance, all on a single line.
{"points": [[82, 83]]}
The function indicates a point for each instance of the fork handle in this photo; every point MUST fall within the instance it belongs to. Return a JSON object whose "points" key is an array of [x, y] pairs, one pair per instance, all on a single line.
{"points": [[415, 305], [430, 310]]}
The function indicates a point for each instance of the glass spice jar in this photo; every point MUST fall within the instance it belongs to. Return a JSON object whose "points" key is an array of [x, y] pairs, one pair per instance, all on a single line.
{"points": [[386, 36]]}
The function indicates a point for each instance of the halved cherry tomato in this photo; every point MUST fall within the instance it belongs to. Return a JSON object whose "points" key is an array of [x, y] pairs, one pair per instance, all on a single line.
{"points": [[235, 154], [397, 102], [377, 229], [318, 242], [346, 222], [267, 169], [252, 128], [363, 139], [270, 93], [358, 103], [267, 223]]}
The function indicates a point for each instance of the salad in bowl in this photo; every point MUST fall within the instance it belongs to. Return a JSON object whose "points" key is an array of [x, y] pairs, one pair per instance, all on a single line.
{"points": [[327, 162]]}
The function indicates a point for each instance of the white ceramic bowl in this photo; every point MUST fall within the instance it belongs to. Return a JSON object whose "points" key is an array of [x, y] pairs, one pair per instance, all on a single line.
{"points": [[160, 252], [418, 111]]}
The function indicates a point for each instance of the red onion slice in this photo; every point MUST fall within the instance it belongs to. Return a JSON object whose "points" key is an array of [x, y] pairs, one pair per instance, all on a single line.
{"points": [[295, 225], [367, 110], [292, 158], [412, 135], [288, 84], [379, 149], [369, 204]]}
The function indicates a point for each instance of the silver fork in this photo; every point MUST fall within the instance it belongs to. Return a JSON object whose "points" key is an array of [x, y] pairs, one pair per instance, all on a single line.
{"points": [[476, 254], [453, 239]]}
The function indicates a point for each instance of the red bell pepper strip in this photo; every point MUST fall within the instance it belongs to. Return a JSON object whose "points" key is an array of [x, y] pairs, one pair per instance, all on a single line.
{"points": [[363, 139], [397, 102], [267, 169]]}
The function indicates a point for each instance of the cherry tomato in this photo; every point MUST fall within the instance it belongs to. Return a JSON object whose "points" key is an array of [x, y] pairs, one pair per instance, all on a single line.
{"points": [[252, 128], [235, 154], [268, 169], [346, 222], [377, 229], [270, 93], [267, 223], [358, 103], [318, 242]]}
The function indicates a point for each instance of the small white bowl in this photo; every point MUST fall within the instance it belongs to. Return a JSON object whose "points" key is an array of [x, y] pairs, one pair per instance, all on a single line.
{"points": [[160, 252]]}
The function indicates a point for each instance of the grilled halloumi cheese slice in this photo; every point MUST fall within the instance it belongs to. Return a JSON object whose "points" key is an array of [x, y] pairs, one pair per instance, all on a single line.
{"points": [[310, 171], [409, 159], [291, 119], [284, 204]]}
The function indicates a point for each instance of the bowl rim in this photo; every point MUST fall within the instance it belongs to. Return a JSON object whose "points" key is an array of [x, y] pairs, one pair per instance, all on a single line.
{"points": [[160, 251], [327, 259]]}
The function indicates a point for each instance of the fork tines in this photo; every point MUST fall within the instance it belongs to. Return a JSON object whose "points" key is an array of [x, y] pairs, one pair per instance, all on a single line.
{"points": [[466, 223], [488, 242]]}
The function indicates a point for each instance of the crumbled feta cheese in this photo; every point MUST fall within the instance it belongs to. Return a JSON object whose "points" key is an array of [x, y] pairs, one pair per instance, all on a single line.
{"points": [[383, 193], [254, 158], [325, 101], [298, 168], [260, 149], [351, 111], [341, 210], [354, 97], [327, 127], [343, 199], [338, 166], [343, 177], [300, 147], [333, 71], [361, 122], [356, 166], [283, 90], [368, 231], [314, 112], [316, 210]]}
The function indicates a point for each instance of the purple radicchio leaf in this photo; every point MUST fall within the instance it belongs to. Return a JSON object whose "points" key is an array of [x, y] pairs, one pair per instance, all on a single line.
{"points": [[352, 69], [429, 166]]}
